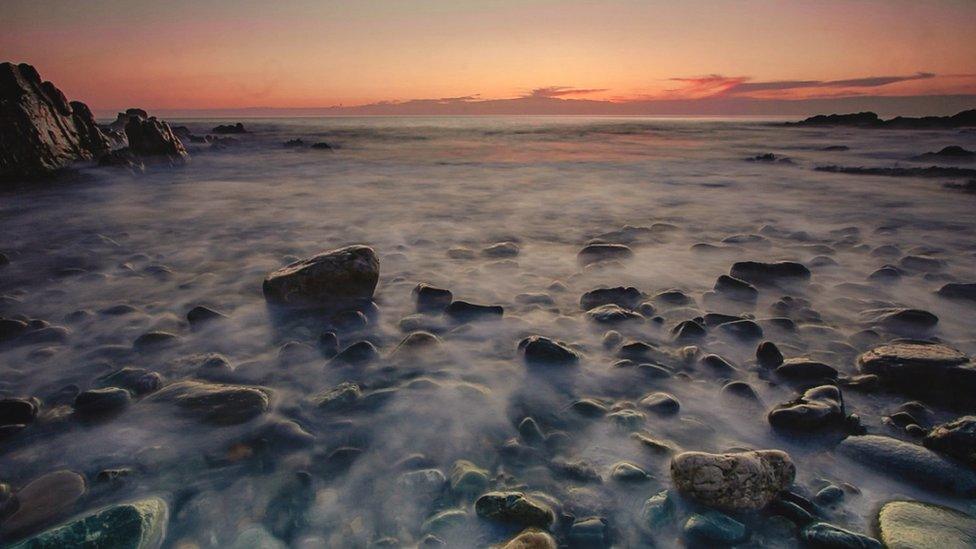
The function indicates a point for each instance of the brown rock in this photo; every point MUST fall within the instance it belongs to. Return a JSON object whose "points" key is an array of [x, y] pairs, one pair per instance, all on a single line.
{"points": [[735, 482]]}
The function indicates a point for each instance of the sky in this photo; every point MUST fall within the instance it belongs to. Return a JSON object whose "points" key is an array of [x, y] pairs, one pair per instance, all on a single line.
{"points": [[515, 55]]}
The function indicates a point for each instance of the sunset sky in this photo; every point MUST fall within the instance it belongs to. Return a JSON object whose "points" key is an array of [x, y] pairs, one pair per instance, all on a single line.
{"points": [[241, 53]]}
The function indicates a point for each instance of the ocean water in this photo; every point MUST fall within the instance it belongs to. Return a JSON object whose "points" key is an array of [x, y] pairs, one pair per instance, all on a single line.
{"points": [[163, 242]]}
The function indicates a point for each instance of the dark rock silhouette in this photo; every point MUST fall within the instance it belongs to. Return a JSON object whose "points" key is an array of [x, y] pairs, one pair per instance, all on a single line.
{"points": [[871, 120], [952, 153], [151, 137], [230, 128], [930, 171], [40, 131]]}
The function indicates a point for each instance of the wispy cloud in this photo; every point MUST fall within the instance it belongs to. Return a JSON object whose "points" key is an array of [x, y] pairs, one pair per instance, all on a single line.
{"points": [[562, 91], [717, 85]]}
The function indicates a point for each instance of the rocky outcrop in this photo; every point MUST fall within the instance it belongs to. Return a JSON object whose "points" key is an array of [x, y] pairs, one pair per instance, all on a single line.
{"points": [[871, 120], [153, 139], [956, 438], [348, 273], [923, 367], [40, 131], [734, 482]]}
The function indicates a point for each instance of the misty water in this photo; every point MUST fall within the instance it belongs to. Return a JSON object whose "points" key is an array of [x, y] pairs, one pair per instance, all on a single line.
{"points": [[111, 256]]}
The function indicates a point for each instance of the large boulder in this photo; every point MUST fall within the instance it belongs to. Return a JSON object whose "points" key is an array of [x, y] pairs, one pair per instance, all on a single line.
{"points": [[43, 500], [913, 524], [40, 131], [911, 463], [756, 272], [956, 438], [923, 367], [818, 408], [349, 273], [738, 481], [217, 403], [136, 525], [153, 138], [514, 508]]}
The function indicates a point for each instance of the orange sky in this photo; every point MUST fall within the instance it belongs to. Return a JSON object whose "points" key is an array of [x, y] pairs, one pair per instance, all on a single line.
{"points": [[244, 53]]}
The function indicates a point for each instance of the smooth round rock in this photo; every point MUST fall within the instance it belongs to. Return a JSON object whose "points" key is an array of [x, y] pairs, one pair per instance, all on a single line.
{"points": [[136, 525], [542, 350], [736, 482], [914, 525], [514, 508], [346, 273], [44, 499], [910, 462]]}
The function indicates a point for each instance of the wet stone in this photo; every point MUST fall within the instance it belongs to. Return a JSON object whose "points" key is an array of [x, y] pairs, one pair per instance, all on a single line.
{"points": [[913, 524], [349, 273], [737, 481], [595, 253], [531, 539], [910, 463], [43, 500], [18, 411], [736, 289], [357, 354], [823, 535], [137, 525], [501, 249], [628, 472], [216, 403], [200, 315], [589, 532], [139, 381], [956, 438], [959, 290], [663, 404], [688, 330], [515, 508], [462, 311], [468, 479], [612, 314], [96, 402], [542, 350], [743, 330], [714, 527], [627, 297], [818, 408], [768, 355], [805, 369], [769, 273], [431, 298]]}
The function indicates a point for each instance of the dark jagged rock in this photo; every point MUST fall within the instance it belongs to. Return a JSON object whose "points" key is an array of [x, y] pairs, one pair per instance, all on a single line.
{"points": [[200, 315], [930, 171], [102, 401], [952, 153], [41, 132], [229, 128], [612, 314], [542, 350], [768, 355], [736, 289], [514, 507], [818, 408], [757, 272], [322, 146], [294, 143], [153, 139], [956, 438], [963, 119], [349, 273]]}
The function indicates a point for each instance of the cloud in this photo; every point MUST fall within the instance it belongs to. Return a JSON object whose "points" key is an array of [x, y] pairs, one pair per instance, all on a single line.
{"points": [[562, 91], [782, 85]]}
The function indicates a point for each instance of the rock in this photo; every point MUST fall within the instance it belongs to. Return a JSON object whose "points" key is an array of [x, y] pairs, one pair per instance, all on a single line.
{"points": [[414, 343], [803, 369], [44, 499], [657, 511], [467, 479], [628, 472], [661, 403], [736, 482], [821, 535], [430, 298], [958, 290], [673, 297], [42, 132], [736, 289], [217, 404], [294, 143], [818, 408], [829, 495], [589, 532], [688, 330], [956, 438], [743, 330], [531, 539], [870, 120], [137, 380], [515, 508], [922, 263], [444, 521], [201, 315], [714, 527], [154, 340], [102, 401], [922, 367], [768, 355], [339, 398], [904, 320], [626, 297], [501, 249], [913, 524], [911, 463], [462, 311], [349, 273], [542, 350], [229, 128], [612, 314], [11, 329], [153, 138], [322, 146], [137, 525], [595, 253], [769, 273], [18, 411], [357, 354]]}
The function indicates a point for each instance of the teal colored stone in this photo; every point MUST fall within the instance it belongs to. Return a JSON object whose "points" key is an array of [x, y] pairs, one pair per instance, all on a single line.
{"points": [[715, 527], [136, 525]]}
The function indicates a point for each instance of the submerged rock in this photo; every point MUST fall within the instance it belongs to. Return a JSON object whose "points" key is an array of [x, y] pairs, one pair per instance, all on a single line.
{"points": [[216, 403], [612, 314], [739, 481], [43, 500], [714, 527], [756, 272], [349, 273], [102, 401], [515, 508], [911, 463], [431, 298], [137, 525], [736, 289], [959, 290], [542, 350], [802, 369], [768, 355], [913, 524], [626, 297], [229, 128], [595, 253], [462, 311], [828, 536], [18, 411], [922, 367], [531, 539], [153, 138]]}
